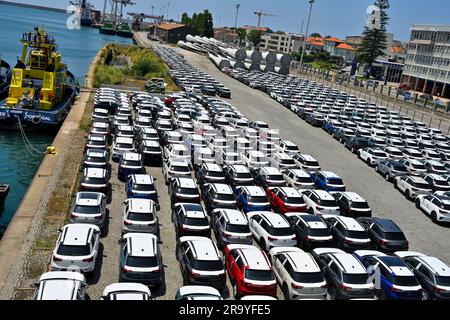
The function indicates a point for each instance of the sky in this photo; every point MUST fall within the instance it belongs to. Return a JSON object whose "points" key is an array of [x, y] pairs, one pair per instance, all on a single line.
{"points": [[338, 18]]}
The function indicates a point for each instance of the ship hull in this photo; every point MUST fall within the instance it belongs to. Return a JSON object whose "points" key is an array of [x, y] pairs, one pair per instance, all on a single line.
{"points": [[86, 22], [125, 34], [110, 32]]}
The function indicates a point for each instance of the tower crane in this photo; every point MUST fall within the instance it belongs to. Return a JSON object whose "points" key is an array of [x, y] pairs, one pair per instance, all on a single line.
{"points": [[261, 14]]}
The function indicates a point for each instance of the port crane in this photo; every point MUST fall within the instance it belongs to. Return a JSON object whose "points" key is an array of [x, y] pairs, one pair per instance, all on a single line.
{"points": [[260, 14]]}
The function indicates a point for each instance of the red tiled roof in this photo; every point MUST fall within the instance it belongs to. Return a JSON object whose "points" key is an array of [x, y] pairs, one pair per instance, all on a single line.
{"points": [[315, 41], [333, 39], [170, 26], [345, 46], [397, 50]]}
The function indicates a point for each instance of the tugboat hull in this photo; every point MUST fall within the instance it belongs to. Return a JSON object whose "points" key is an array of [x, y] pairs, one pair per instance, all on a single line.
{"points": [[125, 34], [110, 32]]}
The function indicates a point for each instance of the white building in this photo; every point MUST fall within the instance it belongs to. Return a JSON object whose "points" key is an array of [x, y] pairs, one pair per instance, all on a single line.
{"points": [[281, 42], [427, 65]]}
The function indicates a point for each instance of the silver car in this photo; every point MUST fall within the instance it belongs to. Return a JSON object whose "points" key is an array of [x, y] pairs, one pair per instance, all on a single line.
{"points": [[89, 207]]}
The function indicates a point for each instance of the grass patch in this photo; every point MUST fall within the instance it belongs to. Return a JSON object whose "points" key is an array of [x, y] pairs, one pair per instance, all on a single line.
{"points": [[86, 123], [322, 65], [143, 64], [46, 243]]}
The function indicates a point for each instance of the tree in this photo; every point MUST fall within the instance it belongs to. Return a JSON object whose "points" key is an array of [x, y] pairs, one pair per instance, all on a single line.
{"points": [[200, 23], [254, 36], [185, 19], [374, 42], [242, 34], [316, 35]]}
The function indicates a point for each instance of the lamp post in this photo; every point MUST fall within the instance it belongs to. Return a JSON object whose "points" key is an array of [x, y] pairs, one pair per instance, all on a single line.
{"points": [[311, 2], [235, 21]]}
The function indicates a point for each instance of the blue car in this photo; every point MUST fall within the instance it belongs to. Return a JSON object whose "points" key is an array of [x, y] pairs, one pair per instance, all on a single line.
{"points": [[394, 278], [130, 163], [331, 126], [251, 198], [141, 186], [328, 181]]}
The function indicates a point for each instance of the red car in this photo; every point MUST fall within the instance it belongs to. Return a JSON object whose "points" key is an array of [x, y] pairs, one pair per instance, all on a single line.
{"points": [[250, 271], [284, 200]]}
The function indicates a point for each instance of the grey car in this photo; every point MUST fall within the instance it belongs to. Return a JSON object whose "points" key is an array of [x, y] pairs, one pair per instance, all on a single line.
{"points": [[230, 227], [89, 207], [390, 169]]}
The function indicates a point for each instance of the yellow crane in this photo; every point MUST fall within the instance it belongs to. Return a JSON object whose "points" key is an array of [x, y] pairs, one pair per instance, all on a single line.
{"points": [[261, 14]]}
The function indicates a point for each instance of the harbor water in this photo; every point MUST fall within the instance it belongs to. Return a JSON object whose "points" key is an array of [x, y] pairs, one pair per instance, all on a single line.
{"points": [[18, 161]]}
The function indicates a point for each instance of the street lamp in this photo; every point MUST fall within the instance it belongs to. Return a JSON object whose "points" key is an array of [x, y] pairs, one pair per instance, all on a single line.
{"points": [[237, 13], [311, 2]]}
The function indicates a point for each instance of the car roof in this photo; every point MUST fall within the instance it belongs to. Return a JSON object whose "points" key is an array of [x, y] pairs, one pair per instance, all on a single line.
{"points": [[387, 225], [124, 140], [202, 290], [140, 205], [131, 156], [95, 153], [222, 188], [435, 264], [142, 179], [187, 183], [308, 157], [254, 258], [329, 174], [270, 170], [323, 195], [214, 167], [254, 190], [95, 172], [240, 168], [350, 223], [395, 265], [203, 248], [77, 234], [302, 261], [349, 263], [274, 219], [353, 196], [290, 192], [84, 198], [234, 217], [141, 244]]}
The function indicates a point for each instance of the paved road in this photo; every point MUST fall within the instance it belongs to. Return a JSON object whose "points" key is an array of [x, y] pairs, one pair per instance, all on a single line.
{"points": [[384, 199]]}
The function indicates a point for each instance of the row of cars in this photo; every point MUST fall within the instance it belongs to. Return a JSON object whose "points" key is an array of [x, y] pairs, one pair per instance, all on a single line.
{"points": [[406, 152]]}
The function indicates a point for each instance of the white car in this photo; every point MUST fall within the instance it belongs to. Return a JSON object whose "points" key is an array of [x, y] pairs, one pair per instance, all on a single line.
{"points": [[306, 162], [241, 145], [299, 179], [229, 158], [254, 159], [198, 293], [61, 285], [437, 207], [282, 161], [122, 145], [270, 135], [320, 202], [372, 155], [271, 230], [287, 147], [139, 215], [177, 152], [412, 186], [126, 291], [298, 274], [172, 169], [76, 248], [414, 167]]}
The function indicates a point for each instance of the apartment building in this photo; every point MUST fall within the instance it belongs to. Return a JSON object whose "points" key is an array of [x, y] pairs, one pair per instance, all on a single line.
{"points": [[281, 42], [427, 64]]}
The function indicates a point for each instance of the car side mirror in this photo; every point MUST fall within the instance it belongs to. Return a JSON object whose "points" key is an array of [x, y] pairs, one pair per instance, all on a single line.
{"points": [[35, 285], [59, 230]]}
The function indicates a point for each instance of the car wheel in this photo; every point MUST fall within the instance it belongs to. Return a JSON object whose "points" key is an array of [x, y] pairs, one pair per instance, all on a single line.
{"points": [[285, 290], [376, 169], [353, 150], [434, 217], [380, 295], [333, 294], [425, 295], [311, 211], [368, 162], [235, 291], [387, 177], [408, 195], [263, 245], [395, 184], [418, 204]]}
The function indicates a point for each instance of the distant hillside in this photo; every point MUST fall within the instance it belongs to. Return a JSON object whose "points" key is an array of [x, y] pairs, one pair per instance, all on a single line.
{"points": [[32, 6]]}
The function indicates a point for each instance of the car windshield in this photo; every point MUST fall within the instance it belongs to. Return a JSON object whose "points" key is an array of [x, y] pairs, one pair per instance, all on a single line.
{"points": [[356, 278], [294, 200], [259, 275], [327, 203], [319, 232], [208, 265], [405, 280], [144, 187], [288, 162], [244, 175], [95, 159], [216, 174], [400, 168], [67, 250], [360, 205], [189, 191], [237, 228], [335, 181], [179, 168], [281, 232], [310, 277], [444, 206], [275, 177], [225, 197], [142, 262], [124, 146], [132, 163], [442, 183], [443, 281], [86, 209], [257, 199], [196, 222], [421, 185], [152, 149], [379, 154], [399, 236], [96, 143], [357, 234], [94, 180], [140, 216], [312, 163]]}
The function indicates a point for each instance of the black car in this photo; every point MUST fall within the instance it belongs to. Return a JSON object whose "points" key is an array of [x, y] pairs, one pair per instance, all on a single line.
{"points": [[151, 152], [208, 90], [311, 231], [342, 134], [303, 112], [352, 205], [268, 177], [96, 158], [315, 119], [356, 143], [190, 219], [238, 175], [385, 234], [223, 92], [348, 233], [218, 196]]}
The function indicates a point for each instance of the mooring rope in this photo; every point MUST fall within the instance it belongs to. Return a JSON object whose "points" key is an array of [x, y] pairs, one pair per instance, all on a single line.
{"points": [[28, 145]]}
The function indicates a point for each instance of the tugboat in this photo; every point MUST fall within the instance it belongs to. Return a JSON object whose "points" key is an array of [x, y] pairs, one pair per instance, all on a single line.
{"points": [[4, 190], [42, 90], [5, 78], [85, 10], [108, 28], [124, 30]]}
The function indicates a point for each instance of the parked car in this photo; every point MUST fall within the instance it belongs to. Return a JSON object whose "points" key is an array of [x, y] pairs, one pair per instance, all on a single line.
{"points": [[61, 285], [251, 198], [139, 215], [89, 207], [311, 231], [126, 291], [190, 219], [352, 204], [437, 207], [284, 200], [230, 227], [198, 293]]}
